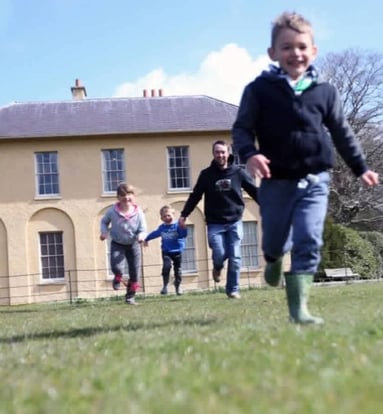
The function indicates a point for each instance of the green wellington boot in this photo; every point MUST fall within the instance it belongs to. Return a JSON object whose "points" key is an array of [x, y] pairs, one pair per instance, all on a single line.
{"points": [[298, 292], [273, 272]]}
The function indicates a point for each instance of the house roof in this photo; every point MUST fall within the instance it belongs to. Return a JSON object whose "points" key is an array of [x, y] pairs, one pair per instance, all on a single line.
{"points": [[116, 116]]}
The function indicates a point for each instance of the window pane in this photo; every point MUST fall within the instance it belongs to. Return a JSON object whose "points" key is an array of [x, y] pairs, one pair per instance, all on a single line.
{"points": [[52, 255], [188, 256], [179, 170], [113, 169], [249, 245], [47, 179]]}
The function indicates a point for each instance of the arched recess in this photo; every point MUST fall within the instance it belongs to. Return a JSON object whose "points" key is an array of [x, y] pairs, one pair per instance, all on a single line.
{"points": [[4, 270], [51, 220]]}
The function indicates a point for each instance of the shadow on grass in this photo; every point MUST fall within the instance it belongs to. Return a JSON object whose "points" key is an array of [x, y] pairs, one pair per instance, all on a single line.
{"points": [[90, 331]]}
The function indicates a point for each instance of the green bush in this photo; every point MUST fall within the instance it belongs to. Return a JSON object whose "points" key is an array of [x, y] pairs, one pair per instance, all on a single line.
{"points": [[345, 247], [376, 239]]}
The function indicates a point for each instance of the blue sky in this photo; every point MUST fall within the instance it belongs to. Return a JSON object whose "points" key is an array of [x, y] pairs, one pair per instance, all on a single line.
{"points": [[120, 47]]}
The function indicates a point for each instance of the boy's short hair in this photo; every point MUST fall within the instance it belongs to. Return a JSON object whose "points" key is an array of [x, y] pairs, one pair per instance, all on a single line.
{"points": [[221, 142], [166, 208], [290, 20], [124, 189]]}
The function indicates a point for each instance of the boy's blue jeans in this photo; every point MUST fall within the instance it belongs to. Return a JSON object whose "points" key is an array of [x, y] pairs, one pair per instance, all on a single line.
{"points": [[293, 214], [225, 243]]}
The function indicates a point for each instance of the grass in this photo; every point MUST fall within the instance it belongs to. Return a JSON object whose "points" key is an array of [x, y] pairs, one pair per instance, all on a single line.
{"points": [[199, 353]]}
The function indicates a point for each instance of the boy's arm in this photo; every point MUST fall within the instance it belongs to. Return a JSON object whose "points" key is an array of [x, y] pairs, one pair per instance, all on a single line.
{"points": [[153, 235], [343, 137], [243, 131], [182, 231]]}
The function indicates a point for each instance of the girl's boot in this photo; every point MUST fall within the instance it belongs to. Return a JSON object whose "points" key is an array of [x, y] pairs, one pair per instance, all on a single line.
{"points": [[298, 291]]}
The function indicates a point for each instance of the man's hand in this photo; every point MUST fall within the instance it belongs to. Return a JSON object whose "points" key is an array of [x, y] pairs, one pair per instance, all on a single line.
{"points": [[370, 178]]}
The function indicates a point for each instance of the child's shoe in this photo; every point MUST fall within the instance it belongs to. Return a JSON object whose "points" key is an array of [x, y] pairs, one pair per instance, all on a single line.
{"points": [[179, 290], [117, 282], [131, 301], [164, 290]]}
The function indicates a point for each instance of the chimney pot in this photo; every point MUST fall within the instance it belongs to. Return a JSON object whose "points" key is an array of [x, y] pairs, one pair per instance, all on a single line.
{"points": [[160, 92], [153, 92], [145, 93]]}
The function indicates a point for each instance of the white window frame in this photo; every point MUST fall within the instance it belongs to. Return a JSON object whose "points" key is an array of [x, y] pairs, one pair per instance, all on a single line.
{"points": [[189, 263], [51, 252], [178, 168], [112, 177], [249, 245], [47, 174]]}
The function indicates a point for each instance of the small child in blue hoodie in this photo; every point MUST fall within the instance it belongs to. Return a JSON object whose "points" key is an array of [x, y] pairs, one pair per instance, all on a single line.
{"points": [[173, 239]]}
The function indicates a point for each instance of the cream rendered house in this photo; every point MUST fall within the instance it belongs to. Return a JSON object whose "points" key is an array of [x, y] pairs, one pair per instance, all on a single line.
{"points": [[60, 164]]}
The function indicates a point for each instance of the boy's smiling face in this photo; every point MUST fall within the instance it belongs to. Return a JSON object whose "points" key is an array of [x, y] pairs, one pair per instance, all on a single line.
{"points": [[293, 51]]}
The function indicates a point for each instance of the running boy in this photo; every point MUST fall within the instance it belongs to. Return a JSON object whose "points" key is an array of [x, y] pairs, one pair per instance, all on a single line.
{"points": [[172, 245], [287, 109], [125, 222]]}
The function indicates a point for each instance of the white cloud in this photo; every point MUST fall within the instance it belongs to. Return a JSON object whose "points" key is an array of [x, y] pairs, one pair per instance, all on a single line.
{"points": [[222, 75]]}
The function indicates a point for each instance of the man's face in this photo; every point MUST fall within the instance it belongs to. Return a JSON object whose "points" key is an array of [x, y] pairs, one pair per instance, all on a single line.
{"points": [[221, 155]]}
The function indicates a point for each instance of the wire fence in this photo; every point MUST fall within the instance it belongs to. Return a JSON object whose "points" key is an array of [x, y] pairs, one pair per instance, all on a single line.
{"points": [[90, 284]]}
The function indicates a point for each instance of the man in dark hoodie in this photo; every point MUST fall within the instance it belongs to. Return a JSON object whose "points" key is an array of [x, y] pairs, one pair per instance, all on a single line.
{"points": [[221, 184]]}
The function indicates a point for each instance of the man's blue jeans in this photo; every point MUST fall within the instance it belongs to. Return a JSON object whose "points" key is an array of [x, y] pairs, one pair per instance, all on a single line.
{"points": [[225, 243], [293, 214]]}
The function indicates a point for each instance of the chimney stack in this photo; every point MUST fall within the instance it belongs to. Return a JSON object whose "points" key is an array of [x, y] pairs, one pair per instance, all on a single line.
{"points": [[78, 91]]}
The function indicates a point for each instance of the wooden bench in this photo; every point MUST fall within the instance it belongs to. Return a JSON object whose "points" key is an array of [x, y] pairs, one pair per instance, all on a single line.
{"points": [[340, 273]]}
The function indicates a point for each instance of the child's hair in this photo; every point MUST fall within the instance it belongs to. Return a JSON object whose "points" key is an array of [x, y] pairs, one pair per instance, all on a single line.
{"points": [[124, 189], [221, 142], [290, 20], [165, 208]]}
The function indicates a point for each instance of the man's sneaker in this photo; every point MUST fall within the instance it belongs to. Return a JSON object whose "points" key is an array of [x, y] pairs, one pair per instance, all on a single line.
{"points": [[179, 290], [164, 291], [117, 282], [234, 295], [131, 301], [216, 275]]}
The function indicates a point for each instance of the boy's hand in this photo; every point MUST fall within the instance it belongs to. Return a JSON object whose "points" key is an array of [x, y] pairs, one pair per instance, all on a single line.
{"points": [[182, 222], [370, 178], [103, 236], [257, 166], [146, 244]]}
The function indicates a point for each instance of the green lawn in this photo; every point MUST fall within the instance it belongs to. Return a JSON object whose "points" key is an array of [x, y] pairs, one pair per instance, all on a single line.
{"points": [[199, 353]]}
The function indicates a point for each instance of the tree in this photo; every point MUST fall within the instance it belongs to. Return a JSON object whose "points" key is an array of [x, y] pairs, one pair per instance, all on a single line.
{"points": [[358, 75]]}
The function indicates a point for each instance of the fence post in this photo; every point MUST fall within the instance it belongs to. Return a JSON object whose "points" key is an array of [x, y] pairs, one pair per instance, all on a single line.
{"points": [[70, 287]]}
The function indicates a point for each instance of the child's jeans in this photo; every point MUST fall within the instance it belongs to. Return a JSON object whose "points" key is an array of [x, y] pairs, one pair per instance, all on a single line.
{"points": [[131, 253], [293, 214], [167, 260]]}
